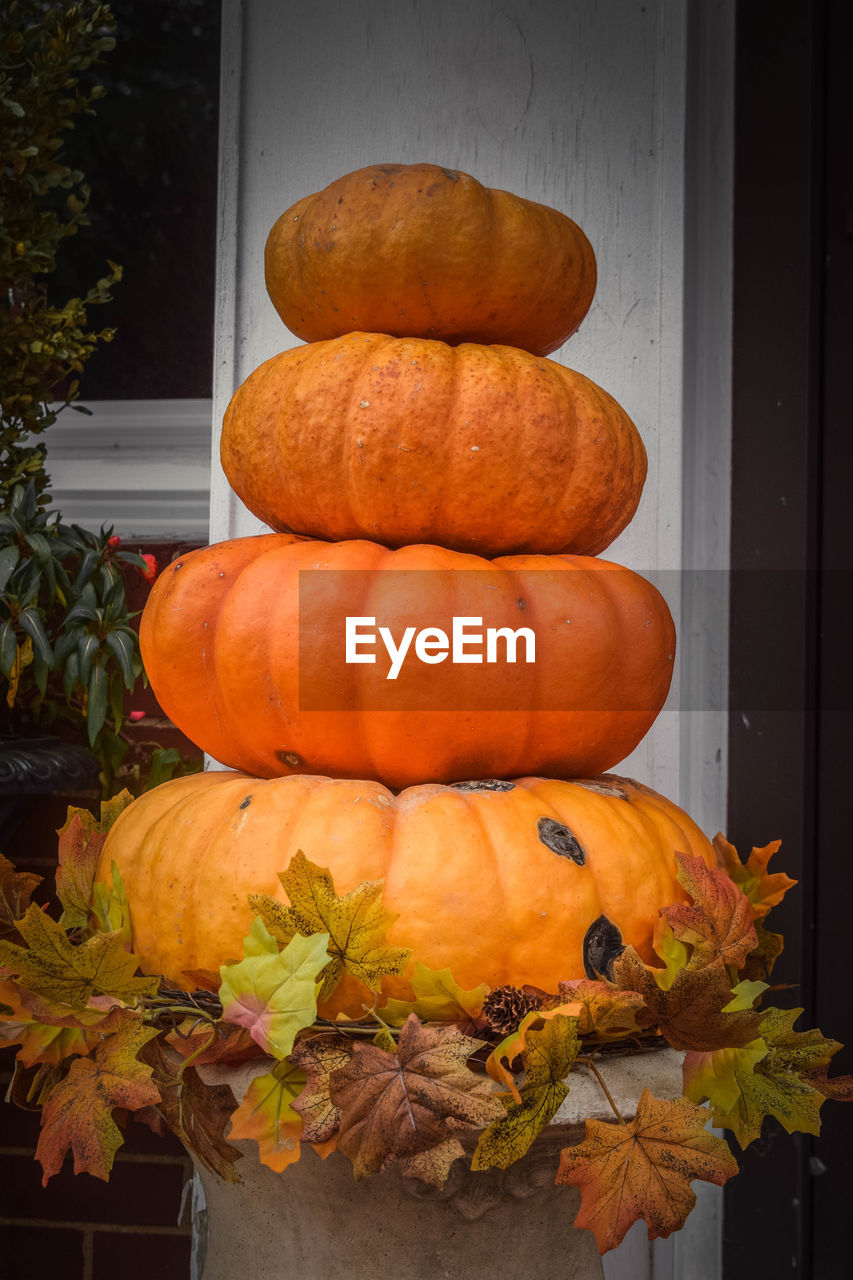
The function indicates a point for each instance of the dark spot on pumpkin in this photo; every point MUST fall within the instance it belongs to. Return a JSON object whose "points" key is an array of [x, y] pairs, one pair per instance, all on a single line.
{"points": [[557, 837], [522, 604], [388, 169], [602, 945], [179, 565], [448, 173], [484, 784], [290, 758], [245, 803], [601, 787]]}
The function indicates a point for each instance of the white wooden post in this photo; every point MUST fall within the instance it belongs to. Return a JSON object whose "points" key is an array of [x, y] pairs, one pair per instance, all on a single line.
{"points": [[615, 111]]}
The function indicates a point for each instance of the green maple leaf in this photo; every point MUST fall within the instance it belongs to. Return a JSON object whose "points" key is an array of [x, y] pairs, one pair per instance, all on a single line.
{"points": [[273, 993], [547, 1059], [438, 998], [68, 974], [356, 924], [775, 1085], [77, 1115]]}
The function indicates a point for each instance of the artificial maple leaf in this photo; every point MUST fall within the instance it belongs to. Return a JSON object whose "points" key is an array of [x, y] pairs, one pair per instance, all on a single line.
{"points": [[47, 1032], [68, 974], [432, 1165], [318, 1057], [605, 1013], [759, 963], [778, 1083], [644, 1169], [80, 846], [196, 1112], [192, 1039], [266, 1116], [718, 925], [547, 1059], [77, 1115], [839, 1088], [16, 890], [438, 998], [274, 993], [513, 1045], [356, 924], [763, 891], [715, 1076], [394, 1106], [81, 839], [110, 907], [690, 1012]]}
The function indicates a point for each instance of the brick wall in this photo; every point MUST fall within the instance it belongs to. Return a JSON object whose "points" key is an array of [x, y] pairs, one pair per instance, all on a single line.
{"points": [[78, 1227]]}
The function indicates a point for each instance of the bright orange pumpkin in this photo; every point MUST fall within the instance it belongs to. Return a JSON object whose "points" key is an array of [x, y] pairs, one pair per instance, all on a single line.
{"points": [[258, 679], [429, 252], [402, 440], [499, 881]]}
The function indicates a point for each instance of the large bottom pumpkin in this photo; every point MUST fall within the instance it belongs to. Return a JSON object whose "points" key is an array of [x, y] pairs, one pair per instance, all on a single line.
{"points": [[499, 881]]}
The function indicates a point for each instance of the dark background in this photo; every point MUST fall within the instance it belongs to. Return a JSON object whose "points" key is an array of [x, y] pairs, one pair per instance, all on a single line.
{"points": [[788, 1213]]}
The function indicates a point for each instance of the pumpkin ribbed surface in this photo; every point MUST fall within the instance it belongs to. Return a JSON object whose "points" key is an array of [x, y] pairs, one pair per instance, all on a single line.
{"points": [[404, 440], [221, 636], [471, 870], [419, 250]]}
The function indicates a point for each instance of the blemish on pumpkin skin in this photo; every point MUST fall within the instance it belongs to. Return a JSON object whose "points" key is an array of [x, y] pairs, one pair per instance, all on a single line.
{"points": [[557, 837], [290, 758], [245, 803]]}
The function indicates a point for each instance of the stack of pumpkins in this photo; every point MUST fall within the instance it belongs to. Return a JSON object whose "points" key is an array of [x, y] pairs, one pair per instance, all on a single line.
{"points": [[421, 461]]}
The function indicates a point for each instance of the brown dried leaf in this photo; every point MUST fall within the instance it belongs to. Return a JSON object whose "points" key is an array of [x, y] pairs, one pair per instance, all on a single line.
{"points": [[394, 1106], [719, 923], [690, 1012], [16, 891]]}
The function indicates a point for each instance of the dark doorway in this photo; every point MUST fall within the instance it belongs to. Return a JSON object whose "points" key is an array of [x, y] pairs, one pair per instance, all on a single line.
{"points": [[792, 582]]}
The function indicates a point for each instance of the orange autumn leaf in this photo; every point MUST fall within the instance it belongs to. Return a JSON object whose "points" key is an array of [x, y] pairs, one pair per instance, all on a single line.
{"points": [[643, 1169], [266, 1116], [78, 1114], [605, 1013], [762, 890], [513, 1045], [48, 1033], [719, 923]]}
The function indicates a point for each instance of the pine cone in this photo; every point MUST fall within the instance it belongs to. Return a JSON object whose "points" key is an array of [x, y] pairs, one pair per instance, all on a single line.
{"points": [[505, 1007]]}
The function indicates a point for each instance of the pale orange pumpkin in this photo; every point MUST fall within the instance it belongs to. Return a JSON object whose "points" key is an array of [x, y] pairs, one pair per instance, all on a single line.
{"points": [[243, 643], [499, 881], [403, 440]]}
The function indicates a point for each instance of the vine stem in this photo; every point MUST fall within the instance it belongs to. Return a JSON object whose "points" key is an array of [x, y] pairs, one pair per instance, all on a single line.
{"points": [[588, 1062]]}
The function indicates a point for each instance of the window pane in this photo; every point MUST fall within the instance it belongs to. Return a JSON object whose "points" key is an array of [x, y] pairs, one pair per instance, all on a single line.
{"points": [[149, 155]]}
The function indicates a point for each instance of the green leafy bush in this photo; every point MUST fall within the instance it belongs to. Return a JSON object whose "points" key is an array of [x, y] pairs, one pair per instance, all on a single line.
{"points": [[67, 646], [45, 49]]}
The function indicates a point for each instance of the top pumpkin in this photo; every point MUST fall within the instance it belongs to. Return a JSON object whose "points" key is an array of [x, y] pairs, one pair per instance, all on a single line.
{"points": [[421, 251]]}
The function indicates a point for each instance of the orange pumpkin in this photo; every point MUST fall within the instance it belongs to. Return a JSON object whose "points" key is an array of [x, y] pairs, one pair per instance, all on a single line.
{"points": [[402, 440], [244, 644], [502, 882], [429, 252]]}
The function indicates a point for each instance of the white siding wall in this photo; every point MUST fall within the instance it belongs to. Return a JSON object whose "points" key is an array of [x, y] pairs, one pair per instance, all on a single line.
{"points": [[585, 105]]}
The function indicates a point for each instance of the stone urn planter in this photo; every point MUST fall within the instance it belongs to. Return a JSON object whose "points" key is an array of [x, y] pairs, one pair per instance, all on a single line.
{"points": [[314, 1220]]}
